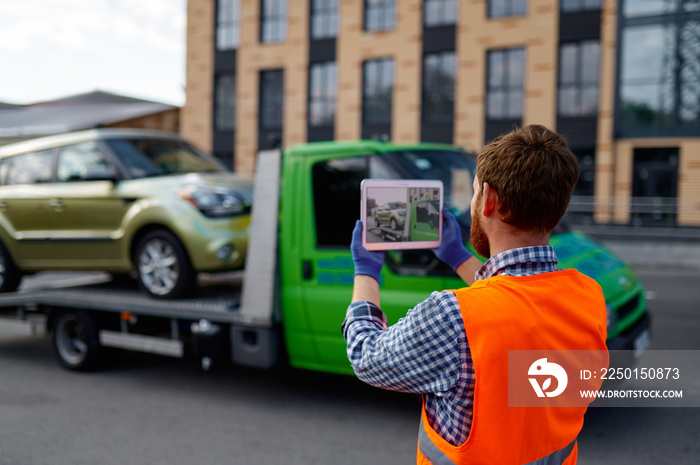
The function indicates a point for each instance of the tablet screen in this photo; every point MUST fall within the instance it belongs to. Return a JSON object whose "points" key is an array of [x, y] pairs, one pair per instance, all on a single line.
{"points": [[403, 214]]}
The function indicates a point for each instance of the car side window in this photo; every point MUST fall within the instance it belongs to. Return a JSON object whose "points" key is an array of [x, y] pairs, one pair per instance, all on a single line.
{"points": [[336, 190], [83, 162], [4, 169], [31, 168]]}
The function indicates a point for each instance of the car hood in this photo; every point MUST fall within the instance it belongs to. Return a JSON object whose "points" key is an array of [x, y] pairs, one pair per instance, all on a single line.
{"points": [[576, 250], [242, 185]]}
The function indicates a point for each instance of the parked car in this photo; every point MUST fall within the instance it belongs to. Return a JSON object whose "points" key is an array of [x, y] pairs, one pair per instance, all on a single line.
{"points": [[120, 201], [391, 214]]}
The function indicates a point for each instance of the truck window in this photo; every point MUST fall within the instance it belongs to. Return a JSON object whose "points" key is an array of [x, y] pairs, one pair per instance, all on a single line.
{"points": [[455, 169], [336, 188]]}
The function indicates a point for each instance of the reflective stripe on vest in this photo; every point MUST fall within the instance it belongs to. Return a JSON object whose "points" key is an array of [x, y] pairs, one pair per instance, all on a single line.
{"points": [[437, 457]]}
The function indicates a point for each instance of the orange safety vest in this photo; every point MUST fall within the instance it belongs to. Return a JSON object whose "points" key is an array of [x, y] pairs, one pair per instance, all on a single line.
{"points": [[560, 310]]}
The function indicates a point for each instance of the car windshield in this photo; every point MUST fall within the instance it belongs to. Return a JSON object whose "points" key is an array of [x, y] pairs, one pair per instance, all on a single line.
{"points": [[455, 169], [157, 157]]}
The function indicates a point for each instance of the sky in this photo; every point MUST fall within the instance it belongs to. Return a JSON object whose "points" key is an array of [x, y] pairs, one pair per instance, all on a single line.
{"points": [[57, 48]]}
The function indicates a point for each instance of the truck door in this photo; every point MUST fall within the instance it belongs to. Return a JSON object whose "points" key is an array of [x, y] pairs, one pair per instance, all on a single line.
{"points": [[327, 269]]}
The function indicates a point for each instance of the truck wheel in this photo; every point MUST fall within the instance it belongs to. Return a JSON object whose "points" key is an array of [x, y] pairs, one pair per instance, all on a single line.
{"points": [[163, 267], [75, 342], [394, 224], [10, 275]]}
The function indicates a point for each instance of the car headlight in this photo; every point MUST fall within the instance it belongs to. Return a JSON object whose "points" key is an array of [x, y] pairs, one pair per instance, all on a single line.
{"points": [[215, 203], [611, 317]]}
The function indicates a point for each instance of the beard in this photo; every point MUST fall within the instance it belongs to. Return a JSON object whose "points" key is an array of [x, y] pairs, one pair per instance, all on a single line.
{"points": [[478, 237]]}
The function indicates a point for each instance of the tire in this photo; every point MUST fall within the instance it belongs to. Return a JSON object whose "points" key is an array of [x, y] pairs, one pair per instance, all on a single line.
{"points": [[394, 224], [75, 341], [163, 266], [10, 276]]}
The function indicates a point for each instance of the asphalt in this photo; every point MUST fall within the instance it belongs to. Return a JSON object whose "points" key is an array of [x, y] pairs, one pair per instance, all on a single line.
{"points": [[650, 248]]}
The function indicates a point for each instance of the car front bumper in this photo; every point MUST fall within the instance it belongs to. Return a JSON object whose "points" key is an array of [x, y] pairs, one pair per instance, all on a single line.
{"points": [[626, 348]]}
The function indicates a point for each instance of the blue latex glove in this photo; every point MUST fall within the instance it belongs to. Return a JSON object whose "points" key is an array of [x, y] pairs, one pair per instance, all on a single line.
{"points": [[366, 262], [451, 250]]}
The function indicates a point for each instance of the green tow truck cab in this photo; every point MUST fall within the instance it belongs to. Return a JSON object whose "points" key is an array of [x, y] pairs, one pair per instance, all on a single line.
{"points": [[319, 206], [425, 220], [298, 278]]}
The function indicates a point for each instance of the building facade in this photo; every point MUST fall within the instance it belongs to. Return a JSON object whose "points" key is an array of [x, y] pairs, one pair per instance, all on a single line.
{"points": [[619, 78]]}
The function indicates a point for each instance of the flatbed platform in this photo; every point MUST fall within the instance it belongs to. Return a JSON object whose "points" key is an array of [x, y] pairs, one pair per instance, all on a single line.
{"points": [[217, 297]]}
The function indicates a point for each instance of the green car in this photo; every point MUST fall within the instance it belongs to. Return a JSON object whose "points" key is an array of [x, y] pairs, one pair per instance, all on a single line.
{"points": [[120, 201]]}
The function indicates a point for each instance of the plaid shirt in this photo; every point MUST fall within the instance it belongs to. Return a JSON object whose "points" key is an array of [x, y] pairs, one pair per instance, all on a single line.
{"points": [[427, 351]]}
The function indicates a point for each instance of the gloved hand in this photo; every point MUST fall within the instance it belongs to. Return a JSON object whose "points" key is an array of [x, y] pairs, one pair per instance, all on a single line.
{"points": [[451, 250], [366, 262]]}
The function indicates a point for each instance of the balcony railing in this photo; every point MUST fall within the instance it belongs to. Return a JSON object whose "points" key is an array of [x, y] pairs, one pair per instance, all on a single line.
{"points": [[635, 211]]}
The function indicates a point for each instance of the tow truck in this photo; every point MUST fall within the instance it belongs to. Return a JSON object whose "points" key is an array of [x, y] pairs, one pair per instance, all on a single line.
{"points": [[386, 234], [288, 304]]}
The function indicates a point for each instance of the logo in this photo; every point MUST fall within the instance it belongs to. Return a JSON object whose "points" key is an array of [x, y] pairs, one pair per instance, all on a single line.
{"points": [[542, 368]]}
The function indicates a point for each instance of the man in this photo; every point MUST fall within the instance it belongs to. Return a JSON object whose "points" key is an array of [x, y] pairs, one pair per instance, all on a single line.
{"points": [[452, 348]]}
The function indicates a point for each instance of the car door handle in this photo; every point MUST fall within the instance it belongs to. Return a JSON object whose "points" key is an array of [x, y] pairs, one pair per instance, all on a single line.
{"points": [[57, 204], [307, 271], [3, 205]]}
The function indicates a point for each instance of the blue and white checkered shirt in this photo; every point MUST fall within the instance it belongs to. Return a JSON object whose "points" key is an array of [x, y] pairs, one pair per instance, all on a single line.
{"points": [[427, 351]]}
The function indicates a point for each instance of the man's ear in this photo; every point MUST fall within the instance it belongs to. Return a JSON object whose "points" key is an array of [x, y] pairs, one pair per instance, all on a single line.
{"points": [[490, 199]]}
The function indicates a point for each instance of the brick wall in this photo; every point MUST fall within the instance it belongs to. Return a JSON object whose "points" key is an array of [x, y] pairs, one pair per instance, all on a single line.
{"points": [[196, 114]]}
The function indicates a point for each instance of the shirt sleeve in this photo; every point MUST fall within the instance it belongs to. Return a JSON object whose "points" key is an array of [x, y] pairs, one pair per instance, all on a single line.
{"points": [[421, 353]]}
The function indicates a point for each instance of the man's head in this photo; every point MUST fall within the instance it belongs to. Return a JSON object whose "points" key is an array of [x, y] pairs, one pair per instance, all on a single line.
{"points": [[532, 171]]}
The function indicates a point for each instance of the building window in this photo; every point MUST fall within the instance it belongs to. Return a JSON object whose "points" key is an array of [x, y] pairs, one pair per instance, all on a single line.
{"points": [[579, 74], [658, 89], [380, 15], [228, 29], [271, 99], [440, 12], [322, 91], [507, 8], [225, 102], [506, 81], [647, 8], [324, 19], [273, 24], [655, 186], [570, 6], [377, 91], [439, 87]]}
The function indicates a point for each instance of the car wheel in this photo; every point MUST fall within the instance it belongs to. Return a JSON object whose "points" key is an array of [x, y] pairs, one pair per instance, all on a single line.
{"points": [[10, 276], [394, 224], [163, 267], [75, 341]]}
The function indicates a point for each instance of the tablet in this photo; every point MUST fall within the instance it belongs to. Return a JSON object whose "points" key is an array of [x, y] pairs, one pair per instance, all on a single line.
{"points": [[401, 214]]}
